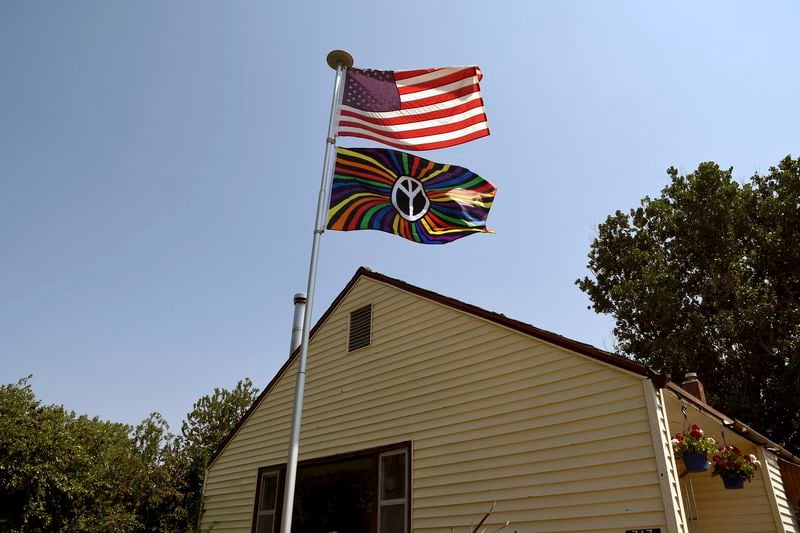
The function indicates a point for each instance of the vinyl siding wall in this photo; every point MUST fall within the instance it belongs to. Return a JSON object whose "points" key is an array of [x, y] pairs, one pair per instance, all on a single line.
{"points": [[560, 441]]}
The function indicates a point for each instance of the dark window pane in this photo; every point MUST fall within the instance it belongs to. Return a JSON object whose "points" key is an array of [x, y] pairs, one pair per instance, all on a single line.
{"points": [[335, 497], [269, 491], [393, 470], [393, 518], [264, 524]]}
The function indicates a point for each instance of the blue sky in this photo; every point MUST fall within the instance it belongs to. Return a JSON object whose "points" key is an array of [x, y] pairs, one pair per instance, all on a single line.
{"points": [[160, 162]]}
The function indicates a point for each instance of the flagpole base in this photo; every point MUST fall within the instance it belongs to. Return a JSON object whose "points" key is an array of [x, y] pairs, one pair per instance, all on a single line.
{"points": [[339, 58]]}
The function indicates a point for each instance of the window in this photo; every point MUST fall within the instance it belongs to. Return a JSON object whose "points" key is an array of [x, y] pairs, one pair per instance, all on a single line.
{"points": [[267, 502], [335, 496], [360, 328], [362, 492], [392, 494]]}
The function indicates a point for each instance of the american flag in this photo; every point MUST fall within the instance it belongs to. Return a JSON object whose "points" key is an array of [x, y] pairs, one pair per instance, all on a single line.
{"points": [[421, 109]]}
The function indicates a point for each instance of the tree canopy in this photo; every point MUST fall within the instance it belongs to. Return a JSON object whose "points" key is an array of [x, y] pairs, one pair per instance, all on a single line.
{"points": [[706, 278], [208, 423], [60, 471]]}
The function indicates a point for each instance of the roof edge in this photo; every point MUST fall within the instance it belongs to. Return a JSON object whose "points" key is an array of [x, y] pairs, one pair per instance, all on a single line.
{"points": [[522, 327], [734, 424]]}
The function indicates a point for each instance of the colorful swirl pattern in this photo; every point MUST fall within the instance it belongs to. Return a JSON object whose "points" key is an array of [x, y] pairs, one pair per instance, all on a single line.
{"points": [[362, 187]]}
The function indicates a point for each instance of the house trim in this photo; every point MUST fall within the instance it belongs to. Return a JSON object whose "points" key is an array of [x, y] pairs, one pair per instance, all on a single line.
{"points": [[771, 496], [673, 504]]}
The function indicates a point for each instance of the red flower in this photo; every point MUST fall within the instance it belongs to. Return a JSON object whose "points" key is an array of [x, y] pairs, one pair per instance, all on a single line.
{"points": [[696, 432]]}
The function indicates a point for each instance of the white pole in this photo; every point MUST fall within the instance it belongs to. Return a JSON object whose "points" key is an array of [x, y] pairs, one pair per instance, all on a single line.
{"points": [[339, 60]]}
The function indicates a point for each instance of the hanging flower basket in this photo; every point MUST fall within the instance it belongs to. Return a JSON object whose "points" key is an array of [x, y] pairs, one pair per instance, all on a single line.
{"points": [[734, 467], [693, 447], [695, 462], [733, 482]]}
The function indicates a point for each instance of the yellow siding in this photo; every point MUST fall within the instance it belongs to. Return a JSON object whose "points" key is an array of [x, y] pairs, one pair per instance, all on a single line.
{"points": [[561, 442]]}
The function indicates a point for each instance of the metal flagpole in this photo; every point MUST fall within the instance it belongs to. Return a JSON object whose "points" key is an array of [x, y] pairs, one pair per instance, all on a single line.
{"points": [[340, 61]]}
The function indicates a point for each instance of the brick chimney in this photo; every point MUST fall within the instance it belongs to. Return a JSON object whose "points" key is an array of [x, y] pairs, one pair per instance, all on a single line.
{"points": [[693, 386]]}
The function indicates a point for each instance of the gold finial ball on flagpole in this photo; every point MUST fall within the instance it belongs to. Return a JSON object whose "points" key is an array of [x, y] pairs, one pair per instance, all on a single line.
{"points": [[339, 58]]}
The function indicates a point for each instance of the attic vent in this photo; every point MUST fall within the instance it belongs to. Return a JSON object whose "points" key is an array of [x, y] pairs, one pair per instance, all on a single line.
{"points": [[360, 328]]}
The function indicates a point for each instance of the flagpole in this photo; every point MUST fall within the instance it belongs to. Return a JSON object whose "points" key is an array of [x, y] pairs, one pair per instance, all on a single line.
{"points": [[340, 61]]}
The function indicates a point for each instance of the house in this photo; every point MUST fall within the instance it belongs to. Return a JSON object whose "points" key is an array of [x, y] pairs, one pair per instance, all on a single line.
{"points": [[421, 411]]}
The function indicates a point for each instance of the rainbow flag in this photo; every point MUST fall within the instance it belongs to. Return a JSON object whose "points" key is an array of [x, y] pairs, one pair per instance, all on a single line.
{"points": [[400, 193]]}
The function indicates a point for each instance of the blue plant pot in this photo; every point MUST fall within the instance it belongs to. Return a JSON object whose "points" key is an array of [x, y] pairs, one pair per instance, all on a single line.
{"points": [[733, 482], [695, 462]]}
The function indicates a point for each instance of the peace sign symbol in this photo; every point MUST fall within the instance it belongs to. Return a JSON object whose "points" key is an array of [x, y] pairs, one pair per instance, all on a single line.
{"points": [[409, 198]]}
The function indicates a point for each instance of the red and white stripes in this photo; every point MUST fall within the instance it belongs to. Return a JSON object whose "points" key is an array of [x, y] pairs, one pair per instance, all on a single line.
{"points": [[439, 108]]}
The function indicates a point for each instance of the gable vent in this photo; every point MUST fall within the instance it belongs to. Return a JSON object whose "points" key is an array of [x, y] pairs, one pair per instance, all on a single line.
{"points": [[360, 328]]}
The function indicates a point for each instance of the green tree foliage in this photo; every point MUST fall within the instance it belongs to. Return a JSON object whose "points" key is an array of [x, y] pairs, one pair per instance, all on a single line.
{"points": [[59, 471], [153, 490], [64, 472], [706, 278], [208, 423]]}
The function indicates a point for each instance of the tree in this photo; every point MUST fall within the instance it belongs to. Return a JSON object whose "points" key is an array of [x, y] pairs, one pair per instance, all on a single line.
{"points": [[64, 472], [212, 418], [59, 471], [154, 495], [706, 278]]}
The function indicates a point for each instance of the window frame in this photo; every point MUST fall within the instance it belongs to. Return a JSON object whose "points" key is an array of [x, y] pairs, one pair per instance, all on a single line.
{"points": [[376, 453], [406, 499], [280, 472]]}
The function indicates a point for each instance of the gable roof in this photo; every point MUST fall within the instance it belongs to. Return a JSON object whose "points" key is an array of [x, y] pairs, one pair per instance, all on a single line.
{"points": [[363, 272], [502, 320]]}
